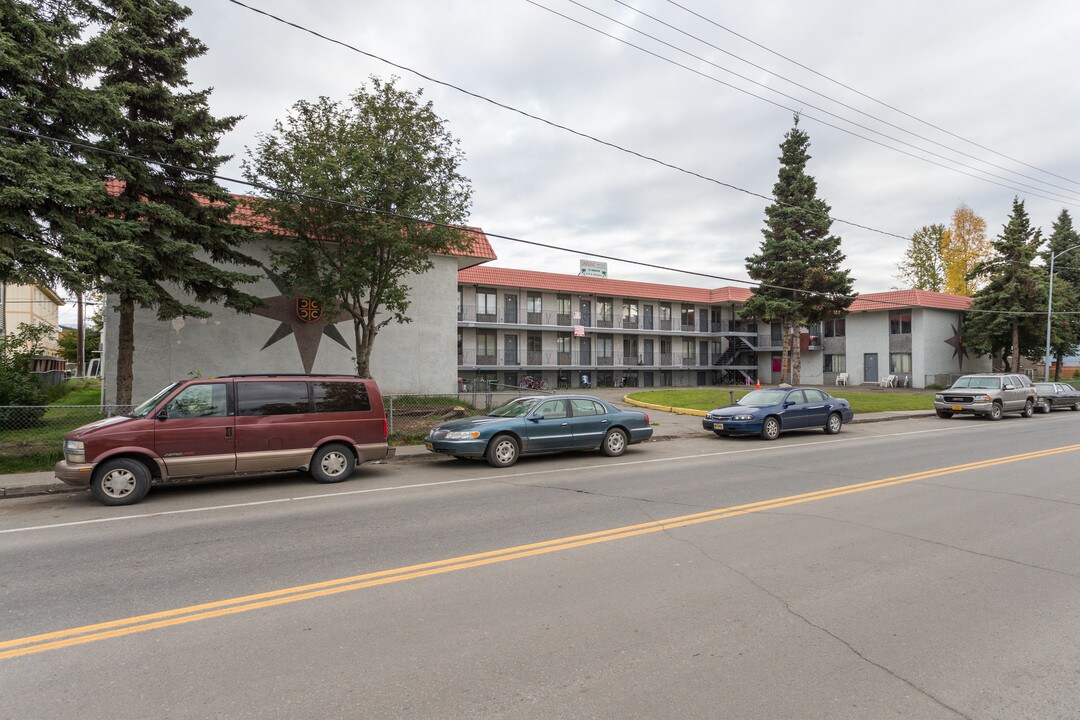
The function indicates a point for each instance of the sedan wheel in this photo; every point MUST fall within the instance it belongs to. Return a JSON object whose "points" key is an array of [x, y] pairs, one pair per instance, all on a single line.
{"points": [[1076, 406], [1045, 407], [614, 443], [833, 424], [770, 429], [502, 451]]}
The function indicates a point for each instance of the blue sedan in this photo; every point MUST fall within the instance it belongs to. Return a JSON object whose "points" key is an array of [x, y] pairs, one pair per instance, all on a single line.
{"points": [[770, 411], [541, 424]]}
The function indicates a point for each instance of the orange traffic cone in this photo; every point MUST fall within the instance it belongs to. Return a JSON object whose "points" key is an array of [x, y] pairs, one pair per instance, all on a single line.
{"points": [[758, 386]]}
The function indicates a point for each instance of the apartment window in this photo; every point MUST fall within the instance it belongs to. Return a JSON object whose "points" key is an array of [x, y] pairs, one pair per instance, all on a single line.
{"points": [[688, 317], [665, 311], [485, 301], [604, 312], [562, 348], [605, 349], [688, 351], [460, 304], [899, 363], [630, 313], [899, 322], [486, 347], [834, 328], [562, 302], [834, 363], [534, 303]]}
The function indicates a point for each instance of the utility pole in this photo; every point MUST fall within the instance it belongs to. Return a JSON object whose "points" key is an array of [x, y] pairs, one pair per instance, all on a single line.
{"points": [[80, 341]]}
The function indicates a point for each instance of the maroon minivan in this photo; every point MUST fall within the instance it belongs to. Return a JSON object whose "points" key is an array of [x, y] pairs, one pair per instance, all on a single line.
{"points": [[229, 426]]}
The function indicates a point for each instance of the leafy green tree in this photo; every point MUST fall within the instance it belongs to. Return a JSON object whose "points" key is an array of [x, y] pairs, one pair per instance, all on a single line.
{"points": [[1013, 286], [175, 226], [922, 266], [17, 385], [1065, 327], [799, 267], [68, 340], [388, 151]]}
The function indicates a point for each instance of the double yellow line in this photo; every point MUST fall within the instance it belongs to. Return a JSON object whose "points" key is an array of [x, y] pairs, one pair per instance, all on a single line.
{"points": [[220, 608]]}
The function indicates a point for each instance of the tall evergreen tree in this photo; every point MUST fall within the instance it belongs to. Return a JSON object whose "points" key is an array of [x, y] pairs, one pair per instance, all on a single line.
{"points": [[176, 223], [44, 64], [799, 267], [1065, 326], [922, 266], [1012, 287]]}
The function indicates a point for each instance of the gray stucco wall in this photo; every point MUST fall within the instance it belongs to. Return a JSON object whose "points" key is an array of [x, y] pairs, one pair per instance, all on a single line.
{"points": [[417, 357]]}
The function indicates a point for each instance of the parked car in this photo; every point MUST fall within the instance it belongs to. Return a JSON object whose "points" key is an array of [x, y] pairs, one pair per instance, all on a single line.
{"points": [[541, 424], [1056, 395], [987, 394], [229, 426], [771, 411]]}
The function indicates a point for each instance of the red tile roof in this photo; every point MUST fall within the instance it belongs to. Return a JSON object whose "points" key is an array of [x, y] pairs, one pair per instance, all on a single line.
{"points": [[867, 302], [507, 277], [479, 248]]}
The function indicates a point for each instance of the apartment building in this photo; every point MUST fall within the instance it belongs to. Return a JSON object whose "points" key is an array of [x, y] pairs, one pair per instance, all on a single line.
{"points": [[35, 305], [573, 331]]}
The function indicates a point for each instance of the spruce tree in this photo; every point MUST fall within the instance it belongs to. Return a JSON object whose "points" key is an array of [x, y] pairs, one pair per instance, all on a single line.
{"points": [[799, 267], [176, 223], [1065, 326], [1012, 288]]}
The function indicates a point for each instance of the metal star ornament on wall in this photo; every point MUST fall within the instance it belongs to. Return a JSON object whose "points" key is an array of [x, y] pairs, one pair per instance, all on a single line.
{"points": [[957, 342], [303, 319]]}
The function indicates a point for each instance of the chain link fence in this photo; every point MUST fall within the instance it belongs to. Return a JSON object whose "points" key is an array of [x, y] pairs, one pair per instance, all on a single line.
{"points": [[409, 417], [29, 432]]}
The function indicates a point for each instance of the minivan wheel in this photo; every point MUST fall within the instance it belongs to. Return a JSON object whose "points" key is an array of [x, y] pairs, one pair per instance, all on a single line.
{"points": [[502, 451], [122, 481], [770, 429], [614, 443], [1029, 409], [332, 463], [995, 411]]}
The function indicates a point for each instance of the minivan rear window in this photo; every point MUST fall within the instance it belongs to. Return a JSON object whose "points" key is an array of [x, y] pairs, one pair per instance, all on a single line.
{"points": [[340, 397], [271, 398]]}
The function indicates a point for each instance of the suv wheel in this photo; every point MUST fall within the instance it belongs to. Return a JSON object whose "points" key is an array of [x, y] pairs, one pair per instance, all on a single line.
{"points": [[1029, 408], [944, 414], [995, 411]]}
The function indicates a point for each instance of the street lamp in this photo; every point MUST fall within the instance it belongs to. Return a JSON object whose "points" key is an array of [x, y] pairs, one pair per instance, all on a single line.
{"points": [[1050, 308]]}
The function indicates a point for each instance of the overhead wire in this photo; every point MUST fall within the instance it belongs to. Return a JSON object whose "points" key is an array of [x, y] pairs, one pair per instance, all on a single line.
{"points": [[1074, 202], [820, 94], [408, 218], [865, 95], [551, 123]]}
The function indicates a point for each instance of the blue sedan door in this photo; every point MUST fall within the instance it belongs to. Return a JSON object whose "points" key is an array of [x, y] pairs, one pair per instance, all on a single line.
{"points": [[589, 424], [817, 408], [548, 427], [794, 413]]}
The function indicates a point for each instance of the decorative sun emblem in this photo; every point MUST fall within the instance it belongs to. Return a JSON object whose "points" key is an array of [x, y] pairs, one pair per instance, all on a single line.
{"points": [[301, 318], [957, 343]]}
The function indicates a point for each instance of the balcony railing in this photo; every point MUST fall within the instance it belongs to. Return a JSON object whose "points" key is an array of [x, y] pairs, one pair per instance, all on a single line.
{"points": [[554, 318], [588, 358]]}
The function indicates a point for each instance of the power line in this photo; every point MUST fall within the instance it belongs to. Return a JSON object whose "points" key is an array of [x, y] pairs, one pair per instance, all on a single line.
{"points": [[1060, 198], [868, 97], [408, 218], [553, 124], [810, 89]]}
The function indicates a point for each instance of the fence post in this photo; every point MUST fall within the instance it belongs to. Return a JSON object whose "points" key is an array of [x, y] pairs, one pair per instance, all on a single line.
{"points": [[391, 419]]}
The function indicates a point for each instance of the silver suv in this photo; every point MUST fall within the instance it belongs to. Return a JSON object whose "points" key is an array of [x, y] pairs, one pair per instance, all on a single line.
{"points": [[989, 394]]}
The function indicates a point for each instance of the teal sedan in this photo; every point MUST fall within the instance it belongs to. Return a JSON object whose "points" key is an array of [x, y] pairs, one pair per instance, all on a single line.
{"points": [[541, 424]]}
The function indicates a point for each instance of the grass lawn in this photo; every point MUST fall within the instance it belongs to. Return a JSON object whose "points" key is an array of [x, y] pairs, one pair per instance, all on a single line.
{"points": [[861, 402], [35, 446]]}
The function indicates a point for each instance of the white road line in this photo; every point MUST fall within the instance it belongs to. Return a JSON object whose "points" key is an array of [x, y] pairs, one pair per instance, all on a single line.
{"points": [[501, 478]]}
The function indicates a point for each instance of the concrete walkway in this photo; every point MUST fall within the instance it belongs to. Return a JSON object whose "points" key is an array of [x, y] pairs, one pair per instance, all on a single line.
{"points": [[667, 425]]}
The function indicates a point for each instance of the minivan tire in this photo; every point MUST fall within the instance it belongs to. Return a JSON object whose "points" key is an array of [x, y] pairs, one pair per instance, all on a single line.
{"points": [[332, 463], [122, 481]]}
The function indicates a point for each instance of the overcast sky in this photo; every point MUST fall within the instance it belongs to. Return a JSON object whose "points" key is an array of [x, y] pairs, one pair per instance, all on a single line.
{"points": [[1000, 74]]}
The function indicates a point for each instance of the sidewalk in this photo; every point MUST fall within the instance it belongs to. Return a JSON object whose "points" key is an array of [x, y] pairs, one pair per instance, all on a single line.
{"points": [[666, 426]]}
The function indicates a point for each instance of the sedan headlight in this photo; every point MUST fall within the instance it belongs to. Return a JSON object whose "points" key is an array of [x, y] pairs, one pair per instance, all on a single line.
{"points": [[742, 417], [463, 435], [74, 451]]}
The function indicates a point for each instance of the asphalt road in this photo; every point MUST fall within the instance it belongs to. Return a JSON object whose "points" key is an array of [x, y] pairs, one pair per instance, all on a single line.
{"points": [[911, 569]]}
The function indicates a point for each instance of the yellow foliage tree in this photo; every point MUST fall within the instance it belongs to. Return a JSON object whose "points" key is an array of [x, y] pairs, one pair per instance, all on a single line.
{"points": [[962, 246]]}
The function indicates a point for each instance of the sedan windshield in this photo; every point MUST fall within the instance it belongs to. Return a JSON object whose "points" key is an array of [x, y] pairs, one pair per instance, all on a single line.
{"points": [[144, 409], [514, 408], [762, 398], [978, 382]]}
